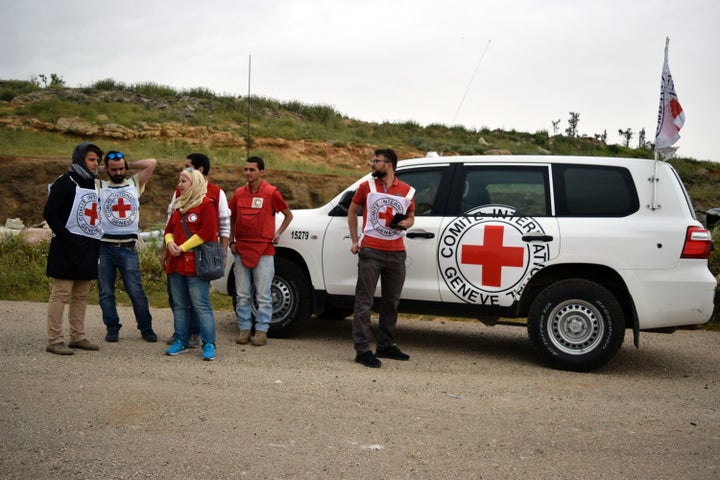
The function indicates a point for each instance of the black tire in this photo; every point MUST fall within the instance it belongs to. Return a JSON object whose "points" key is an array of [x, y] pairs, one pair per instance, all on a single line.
{"points": [[291, 298], [576, 325]]}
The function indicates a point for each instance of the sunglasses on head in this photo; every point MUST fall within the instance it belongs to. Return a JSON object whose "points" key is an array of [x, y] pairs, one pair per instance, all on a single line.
{"points": [[116, 155]]}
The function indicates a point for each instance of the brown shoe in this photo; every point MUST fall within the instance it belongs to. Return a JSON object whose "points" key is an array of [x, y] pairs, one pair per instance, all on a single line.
{"points": [[83, 344], [59, 349], [243, 338], [259, 339]]}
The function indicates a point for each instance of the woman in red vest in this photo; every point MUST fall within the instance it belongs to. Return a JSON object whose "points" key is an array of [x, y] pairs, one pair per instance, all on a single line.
{"points": [[193, 221]]}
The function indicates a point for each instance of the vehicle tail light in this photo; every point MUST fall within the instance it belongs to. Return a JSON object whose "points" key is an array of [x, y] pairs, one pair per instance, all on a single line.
{"points": [[698, 243]]}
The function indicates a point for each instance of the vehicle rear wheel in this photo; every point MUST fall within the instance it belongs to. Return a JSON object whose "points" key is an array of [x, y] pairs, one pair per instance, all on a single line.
{"points": [[291, 298], [576, 325]]}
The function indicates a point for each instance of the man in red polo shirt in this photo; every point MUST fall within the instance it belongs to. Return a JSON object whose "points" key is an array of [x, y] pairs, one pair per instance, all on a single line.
{"points": [[381, 255]]}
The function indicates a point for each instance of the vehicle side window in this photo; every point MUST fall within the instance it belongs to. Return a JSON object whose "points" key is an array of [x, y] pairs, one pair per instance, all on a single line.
{"points": [[426, 184], [341, 209], [524, 189], [594, 191]]}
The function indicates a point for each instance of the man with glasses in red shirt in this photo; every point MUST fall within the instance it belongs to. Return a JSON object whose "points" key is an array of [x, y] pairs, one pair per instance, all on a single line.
{"points": [[388, 210]]}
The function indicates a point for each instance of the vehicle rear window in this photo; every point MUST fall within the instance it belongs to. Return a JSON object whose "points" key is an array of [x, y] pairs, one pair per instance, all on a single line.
{"points": [[594, 191]]}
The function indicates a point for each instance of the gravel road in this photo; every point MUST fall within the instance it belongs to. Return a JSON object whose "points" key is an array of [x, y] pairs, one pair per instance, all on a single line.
{"points": [[473, 402]]}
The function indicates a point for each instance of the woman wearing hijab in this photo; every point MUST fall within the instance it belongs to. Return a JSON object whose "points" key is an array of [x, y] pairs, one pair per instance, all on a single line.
{"points": [[72, 214], [192, 212]]}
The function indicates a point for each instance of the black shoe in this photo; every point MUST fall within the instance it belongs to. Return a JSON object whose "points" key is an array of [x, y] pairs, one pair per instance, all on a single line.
{"points": [[392, 352], [368, 359], [112, 337], [149, 336]]}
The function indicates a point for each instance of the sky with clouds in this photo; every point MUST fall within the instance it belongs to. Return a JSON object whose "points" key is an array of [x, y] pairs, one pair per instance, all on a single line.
{"points": [[486, 63]]}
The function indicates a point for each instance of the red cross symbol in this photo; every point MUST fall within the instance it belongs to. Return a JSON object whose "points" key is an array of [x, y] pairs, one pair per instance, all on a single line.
{"points": [[386, 215], [492, 255], [121, 207], [92, 213]]}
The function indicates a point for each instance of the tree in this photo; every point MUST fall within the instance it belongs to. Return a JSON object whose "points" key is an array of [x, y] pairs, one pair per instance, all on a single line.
{"points": [[56, 81], [556, 126], [642, 143], [601, 136], [627, 135], [572, 124]]}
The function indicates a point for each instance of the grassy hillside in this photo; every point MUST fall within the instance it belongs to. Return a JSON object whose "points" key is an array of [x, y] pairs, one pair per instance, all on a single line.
{"points": [[155, 120], [150, 120], [159, 121]]}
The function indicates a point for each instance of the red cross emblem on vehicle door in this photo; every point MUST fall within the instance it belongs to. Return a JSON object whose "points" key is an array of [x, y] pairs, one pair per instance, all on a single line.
{"points": [[492, 255], [121, 208]]}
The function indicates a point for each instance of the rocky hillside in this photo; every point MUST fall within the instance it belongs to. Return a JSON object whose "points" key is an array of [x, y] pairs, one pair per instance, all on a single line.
{"points": [[25, 182], [154, 118]]}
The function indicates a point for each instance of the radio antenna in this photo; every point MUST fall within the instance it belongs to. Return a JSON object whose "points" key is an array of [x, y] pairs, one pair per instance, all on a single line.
{"points": [[470, 82], [248, 106]]}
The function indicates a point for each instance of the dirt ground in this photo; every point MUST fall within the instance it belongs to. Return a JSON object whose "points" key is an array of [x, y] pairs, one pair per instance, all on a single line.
{"points": [[473, 402]]}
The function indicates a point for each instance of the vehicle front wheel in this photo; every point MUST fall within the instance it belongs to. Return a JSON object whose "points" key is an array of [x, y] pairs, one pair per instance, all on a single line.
{"points": [[291, 298], [576, 325]]}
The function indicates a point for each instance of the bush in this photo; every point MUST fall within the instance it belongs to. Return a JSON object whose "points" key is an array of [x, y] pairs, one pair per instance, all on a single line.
{"points": [[6, 95], [108, 84], [30, 283]]}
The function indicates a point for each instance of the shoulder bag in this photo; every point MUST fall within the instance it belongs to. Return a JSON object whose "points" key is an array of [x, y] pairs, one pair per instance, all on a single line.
{"points": [[209, 258]]}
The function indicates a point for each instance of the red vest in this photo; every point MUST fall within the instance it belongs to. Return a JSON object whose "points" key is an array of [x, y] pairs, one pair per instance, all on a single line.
{"points": [[200, 220], [253, 215]]}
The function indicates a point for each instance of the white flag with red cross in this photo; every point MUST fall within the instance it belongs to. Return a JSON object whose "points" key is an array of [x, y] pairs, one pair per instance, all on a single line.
{"points": [[670, 115]]}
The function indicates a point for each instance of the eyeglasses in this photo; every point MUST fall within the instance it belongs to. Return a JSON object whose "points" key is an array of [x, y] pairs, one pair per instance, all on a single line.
{"points": [[116, 155], [377, 160]]}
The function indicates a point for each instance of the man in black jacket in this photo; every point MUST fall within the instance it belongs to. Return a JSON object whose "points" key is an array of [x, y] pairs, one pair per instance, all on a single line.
{"points": [[72, 213]]}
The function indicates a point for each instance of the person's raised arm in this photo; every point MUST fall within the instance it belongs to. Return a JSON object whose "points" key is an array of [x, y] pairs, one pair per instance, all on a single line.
{"points": [[146, 167]]}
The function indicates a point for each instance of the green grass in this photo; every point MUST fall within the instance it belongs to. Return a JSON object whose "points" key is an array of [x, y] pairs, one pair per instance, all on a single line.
{"points": [[29, 283]]}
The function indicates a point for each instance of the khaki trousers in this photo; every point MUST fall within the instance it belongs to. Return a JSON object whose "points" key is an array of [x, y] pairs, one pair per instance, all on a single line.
{"points": [[62, 290]]}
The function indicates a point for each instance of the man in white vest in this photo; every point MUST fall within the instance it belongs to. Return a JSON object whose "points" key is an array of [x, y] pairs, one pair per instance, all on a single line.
{"points": [[120, 214], [388, 210]]}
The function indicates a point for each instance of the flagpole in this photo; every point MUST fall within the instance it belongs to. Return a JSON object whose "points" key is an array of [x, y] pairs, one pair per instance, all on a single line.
{"points": [[670, 120], [248, 106]]}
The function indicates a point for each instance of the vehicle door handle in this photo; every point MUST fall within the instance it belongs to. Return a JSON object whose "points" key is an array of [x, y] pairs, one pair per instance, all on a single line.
{"points": [[537, 238], [420, 235]]}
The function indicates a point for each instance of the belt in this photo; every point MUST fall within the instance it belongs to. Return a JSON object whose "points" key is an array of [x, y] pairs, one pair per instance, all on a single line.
{"points": [[130, 245]]}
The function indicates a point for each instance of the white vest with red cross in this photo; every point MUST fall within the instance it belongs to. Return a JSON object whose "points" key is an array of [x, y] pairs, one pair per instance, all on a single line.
{"points": [[381, 208], [84, 218], [120, 209]]}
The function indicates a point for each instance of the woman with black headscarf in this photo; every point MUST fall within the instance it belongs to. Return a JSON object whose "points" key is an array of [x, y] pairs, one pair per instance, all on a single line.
{"points": [[72, 214]]}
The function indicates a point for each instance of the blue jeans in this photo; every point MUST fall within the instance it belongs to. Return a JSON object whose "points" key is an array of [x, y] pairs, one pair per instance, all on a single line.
{"points": [[188, 293], [194, 327], [114, 257], [262, 276]]}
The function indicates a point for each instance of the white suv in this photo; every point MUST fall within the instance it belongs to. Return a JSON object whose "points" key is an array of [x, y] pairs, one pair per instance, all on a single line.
{"points": [[577, 249]]}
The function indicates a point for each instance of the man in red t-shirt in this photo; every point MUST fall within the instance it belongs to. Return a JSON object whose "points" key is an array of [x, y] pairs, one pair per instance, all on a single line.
{"points": [[252, 229], [381, 255]]}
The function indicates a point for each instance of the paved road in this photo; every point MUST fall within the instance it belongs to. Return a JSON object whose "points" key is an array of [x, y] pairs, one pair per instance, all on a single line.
{"points": [[473, 402]]}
